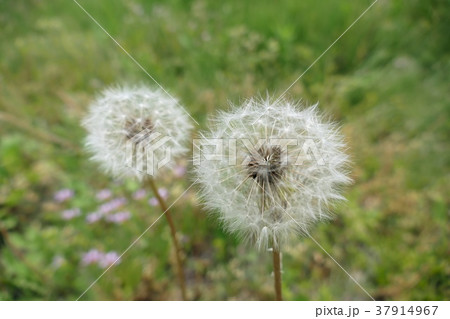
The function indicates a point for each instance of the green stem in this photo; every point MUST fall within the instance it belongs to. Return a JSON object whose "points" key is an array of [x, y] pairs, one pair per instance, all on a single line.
{"points": [[173, 234], [277, 274]]}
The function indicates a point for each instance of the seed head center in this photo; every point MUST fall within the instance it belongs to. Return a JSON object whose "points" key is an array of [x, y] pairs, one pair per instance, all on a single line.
{"points": [[133, 127], [265, 165]]}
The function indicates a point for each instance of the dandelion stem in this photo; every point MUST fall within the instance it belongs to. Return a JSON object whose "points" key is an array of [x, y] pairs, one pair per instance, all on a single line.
{"points": [[173, 234], [277, 274]]}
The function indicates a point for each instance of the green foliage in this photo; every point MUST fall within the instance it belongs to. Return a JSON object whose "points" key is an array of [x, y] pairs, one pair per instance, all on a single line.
{"points": [[385, 81]]}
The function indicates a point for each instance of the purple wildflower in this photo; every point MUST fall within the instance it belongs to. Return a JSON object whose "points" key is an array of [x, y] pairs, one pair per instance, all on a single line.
{"points": [[108, 259], [70, 213], [179, 170], [91, 257], [63, 195], [93, 217], [103, 194], [153, 201], [112, 205], [139, 194], [119, 217], [164, 193]]}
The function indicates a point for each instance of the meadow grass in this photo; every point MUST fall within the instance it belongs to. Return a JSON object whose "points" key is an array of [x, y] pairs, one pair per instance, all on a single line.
{"points": [[385, 81]]}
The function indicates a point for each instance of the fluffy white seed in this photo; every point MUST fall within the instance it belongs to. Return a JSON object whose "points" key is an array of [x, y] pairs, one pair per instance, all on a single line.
{"points": [[124, 123], [277, 171]]}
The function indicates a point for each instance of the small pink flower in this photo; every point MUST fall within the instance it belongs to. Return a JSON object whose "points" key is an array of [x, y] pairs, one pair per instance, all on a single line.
{"points": [[179, 170], [63, 195], [70, 213], [93, 217], [91, 257], [119, 217], [139, 194], [112, 205], [109, 259], [164, 193], [103, 194], [153, 201]]}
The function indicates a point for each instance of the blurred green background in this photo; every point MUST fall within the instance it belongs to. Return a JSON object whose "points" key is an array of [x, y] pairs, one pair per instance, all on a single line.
{"points": [[386, 81]]}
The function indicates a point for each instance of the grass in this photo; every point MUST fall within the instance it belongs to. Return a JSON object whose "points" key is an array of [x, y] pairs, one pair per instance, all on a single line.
{"points": [[385, 81]]}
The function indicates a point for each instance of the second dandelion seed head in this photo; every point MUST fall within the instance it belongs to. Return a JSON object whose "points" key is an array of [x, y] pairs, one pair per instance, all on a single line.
{"points": [[279, 168]]}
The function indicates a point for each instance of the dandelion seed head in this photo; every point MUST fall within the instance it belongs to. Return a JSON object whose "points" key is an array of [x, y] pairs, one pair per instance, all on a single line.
{"points": [[283, 174], [136, 117]]}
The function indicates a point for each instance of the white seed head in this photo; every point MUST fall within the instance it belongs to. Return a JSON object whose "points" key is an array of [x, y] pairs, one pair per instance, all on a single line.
{"points": [[277, 171], [128, 126]]}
